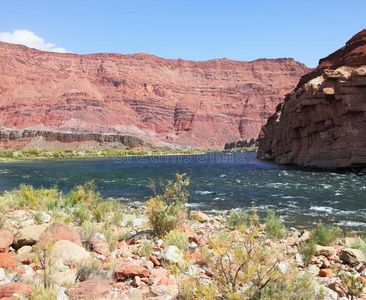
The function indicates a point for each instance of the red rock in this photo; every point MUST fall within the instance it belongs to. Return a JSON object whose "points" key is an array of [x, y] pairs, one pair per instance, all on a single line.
{"points": [[20, 271], [186, 228], [6, 239], [154, 260], [322, 123], [167, 281], [91, 289], [196, 239], [362, 279], [159, 273], [57, 232], [100, 247], [199, 216], [326, 273], [26, 258], [7, 261], [127, 270], [7, 290], [196, 255], [204, 104], [122, 245]]}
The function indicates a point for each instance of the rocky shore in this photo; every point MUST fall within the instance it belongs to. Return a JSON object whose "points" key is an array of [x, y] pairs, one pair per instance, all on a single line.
{"points": [[53, 254]]}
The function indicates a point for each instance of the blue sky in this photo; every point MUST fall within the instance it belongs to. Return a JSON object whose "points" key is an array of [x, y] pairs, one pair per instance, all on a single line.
{"points": [[194, 30]]}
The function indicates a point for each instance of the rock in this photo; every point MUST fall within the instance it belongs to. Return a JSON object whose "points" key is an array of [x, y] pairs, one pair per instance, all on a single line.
{"points": [[154, 260], [69, 252], [326, 273], [159, 273], [339, 287], [158, 290], [97, 289], [329, 294], [24, 250], [352, 256], [304, 237], [57, 232], [126, 270], [2, 274], [27, 270], [26, 258], [7, 261], [172, 254], [147, 264], [100, 247], [45, 217], [283, 267], [136, 295], [7, 290], [65, 278], [6, 239], [143, 88], [136, 281], [326, 251], [28, 236], [322, 122], [199, 216]]}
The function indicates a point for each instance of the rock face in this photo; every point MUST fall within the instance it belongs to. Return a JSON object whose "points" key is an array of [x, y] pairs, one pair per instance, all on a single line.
{"points": [[322, 123], [163, 102]]}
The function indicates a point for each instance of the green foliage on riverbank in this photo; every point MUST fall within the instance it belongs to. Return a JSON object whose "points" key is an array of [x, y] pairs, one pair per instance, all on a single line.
{"points": [[30, 154]]}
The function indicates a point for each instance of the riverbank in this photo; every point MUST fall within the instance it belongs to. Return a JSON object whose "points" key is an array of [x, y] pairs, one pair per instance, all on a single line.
{"points": [[75, 246], [37, 154]]}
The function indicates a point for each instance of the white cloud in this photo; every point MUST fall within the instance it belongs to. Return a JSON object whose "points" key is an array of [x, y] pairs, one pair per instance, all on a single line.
{"points": [[29, 39]]}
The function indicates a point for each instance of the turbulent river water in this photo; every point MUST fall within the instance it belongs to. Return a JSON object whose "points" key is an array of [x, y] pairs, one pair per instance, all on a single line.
{"points": [[218, 183]]}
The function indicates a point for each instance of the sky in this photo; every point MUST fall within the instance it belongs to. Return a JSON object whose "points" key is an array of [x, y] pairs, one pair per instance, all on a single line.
{"points": [[193, 30]]}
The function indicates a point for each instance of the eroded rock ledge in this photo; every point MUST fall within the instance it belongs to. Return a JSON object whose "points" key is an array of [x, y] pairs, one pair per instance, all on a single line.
{"points": [[43, 139], [322, 123]]}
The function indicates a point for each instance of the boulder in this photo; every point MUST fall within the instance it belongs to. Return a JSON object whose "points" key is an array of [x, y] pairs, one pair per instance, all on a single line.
{"points": [[6, 239], [352, 256], [7, 290], [172, 254], [100, 247], [57, 232], [326, 251], [126, 270], [28, 235], [96, 289], [339, 287], [69, 252], [326, 273], [199, 216], [7, 261]]}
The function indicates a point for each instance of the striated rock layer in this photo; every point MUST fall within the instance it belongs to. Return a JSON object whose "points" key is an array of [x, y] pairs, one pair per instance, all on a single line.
{"points": [[322, 123], [172, 103]]}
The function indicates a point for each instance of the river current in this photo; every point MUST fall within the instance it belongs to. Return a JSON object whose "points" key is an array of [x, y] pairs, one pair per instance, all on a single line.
{"points": [[218, 183]]}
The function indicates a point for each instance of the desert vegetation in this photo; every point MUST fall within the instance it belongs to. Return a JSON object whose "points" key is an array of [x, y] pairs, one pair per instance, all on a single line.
{"points": [[60, 245]]}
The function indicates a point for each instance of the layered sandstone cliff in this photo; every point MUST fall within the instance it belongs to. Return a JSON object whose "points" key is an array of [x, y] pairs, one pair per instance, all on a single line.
{"points": [[172, 103], [322, 123]]}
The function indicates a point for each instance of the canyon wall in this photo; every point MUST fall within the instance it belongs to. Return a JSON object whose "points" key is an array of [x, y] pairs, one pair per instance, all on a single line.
{"points": [[322, 123], [164, 102]]}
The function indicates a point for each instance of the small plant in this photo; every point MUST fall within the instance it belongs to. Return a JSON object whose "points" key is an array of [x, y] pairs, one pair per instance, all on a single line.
{"points": [[325, 235], [168, 211], [237, 218], [307, 250], [89, 270], [43, 256], [359, 244], [353, 284], [274, 226], [146, 249], [87, 231], [177, 238], [38, 218], [41, 293]]}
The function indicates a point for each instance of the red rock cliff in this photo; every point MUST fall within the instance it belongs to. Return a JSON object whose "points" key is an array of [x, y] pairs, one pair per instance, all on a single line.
{"points": [[164, 102], [322, 123]]}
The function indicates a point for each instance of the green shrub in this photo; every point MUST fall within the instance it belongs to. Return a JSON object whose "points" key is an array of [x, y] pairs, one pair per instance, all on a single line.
{"points": [[177, 238], [41, 293], [237, 218], [274, 226], [89, 270], [307, 250], [167, 211], [353, 284], [325, 235], [359, 244], [146, 249]]}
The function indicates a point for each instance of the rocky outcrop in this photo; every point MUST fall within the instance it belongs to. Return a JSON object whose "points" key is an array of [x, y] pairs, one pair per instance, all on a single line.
{"points": [[322, 123], [170, 103], [20, 139]]}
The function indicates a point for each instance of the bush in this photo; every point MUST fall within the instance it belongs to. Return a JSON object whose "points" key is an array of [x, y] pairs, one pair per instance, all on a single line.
{"points": [[167, 211], [41, 293], [177, 238], [89, 270], [146, 249], [307, 250], [326, 235], [237, 218], [274, 226]]}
